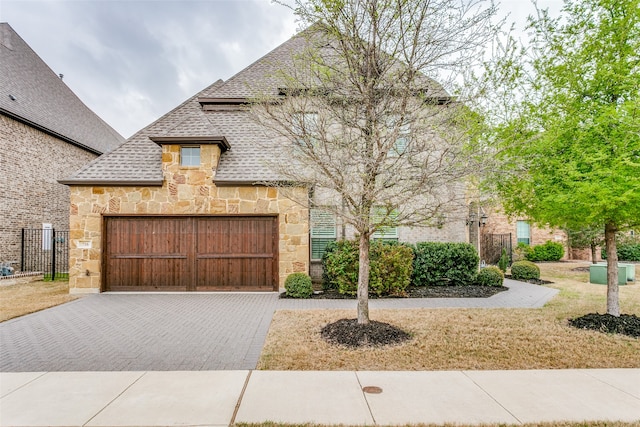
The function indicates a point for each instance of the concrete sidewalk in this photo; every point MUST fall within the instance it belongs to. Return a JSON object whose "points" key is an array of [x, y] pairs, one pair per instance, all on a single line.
{"points": [[221, 398]]}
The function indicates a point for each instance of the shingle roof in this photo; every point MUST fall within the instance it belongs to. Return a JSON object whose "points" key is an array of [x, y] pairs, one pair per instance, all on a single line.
{"points": [[139, 160], [32, 93], [260, 77]]}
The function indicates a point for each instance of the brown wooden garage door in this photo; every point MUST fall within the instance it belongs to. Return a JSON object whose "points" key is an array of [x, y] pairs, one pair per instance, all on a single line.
{"points": [[190, 253]]}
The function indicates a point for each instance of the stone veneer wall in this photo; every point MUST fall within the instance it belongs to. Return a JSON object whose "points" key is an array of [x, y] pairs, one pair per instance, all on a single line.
{"points": [[185, 191], [31, 163]]}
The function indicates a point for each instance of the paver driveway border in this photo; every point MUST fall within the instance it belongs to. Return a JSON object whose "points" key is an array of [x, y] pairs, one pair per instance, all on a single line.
{"points": [[184, 332]]}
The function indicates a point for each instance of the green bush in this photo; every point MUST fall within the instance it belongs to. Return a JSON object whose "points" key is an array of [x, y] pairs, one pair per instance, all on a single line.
{"points": [[298, 285], [390, 267], [490, 276], [340, 264], [503, 262], [550, 251], [626, 252], [630, 252], [444, 263], [524, 270]]}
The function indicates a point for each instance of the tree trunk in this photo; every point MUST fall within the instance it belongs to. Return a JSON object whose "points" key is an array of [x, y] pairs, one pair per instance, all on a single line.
{"points": [[363, 280], [613, 302], [593, 253]]}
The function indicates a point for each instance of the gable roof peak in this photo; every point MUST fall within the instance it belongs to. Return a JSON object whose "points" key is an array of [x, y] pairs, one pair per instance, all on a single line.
{"points": [[38, 97]]}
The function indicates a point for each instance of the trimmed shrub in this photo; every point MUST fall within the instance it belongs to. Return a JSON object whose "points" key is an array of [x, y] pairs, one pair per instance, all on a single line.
{"points": [[630, 252], [298, 285], [340, 265], [331, 262], [626, 252], [550, 251], [490, 276], [503, 262], [444, 263], [390, 267], [524, 270]]}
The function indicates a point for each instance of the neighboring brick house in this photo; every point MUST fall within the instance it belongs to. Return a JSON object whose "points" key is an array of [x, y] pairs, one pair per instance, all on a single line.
{"points": [[184, 205], [520, 229], [45, 133]]}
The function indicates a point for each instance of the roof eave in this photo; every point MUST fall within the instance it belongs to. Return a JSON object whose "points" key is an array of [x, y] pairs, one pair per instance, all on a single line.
{"points": [[111, 183], [48, 131], [235, 101], [218, 140], [266, 183]]}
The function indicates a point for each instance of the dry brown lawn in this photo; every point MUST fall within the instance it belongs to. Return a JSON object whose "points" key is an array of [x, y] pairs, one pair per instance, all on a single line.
{"points": [[452, 339], [24, 298]]}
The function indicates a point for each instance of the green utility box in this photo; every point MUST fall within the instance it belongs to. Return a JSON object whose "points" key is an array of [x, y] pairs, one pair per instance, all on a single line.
{"points": [[631, 270], [598, 274]]}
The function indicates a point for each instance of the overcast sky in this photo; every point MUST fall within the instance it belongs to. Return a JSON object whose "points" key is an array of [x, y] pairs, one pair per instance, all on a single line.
{"points": [[132, 61]]}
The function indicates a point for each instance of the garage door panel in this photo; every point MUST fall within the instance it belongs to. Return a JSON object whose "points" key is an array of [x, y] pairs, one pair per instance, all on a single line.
{"points": [[190, 253], [234, 274]]}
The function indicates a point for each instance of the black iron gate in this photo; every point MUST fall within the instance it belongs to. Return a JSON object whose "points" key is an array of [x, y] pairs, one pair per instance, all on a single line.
{"points": [[492, 245], [45, 250]]}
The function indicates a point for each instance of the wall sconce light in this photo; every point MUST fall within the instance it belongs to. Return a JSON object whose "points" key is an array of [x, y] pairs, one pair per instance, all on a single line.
{"points": [[483, 220], [481, 223]]}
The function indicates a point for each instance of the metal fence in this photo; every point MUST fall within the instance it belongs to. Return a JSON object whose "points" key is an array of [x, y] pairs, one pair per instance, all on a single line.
{"points": [[45, 250], [492, 245]]}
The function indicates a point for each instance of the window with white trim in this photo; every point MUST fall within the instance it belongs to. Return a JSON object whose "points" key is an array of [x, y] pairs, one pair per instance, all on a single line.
{"points": [[523, 232], [387, 231], [323, 231], [189, 156]]}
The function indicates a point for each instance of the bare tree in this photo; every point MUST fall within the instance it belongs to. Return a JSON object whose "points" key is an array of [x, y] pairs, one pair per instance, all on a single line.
{"points": [[363, 117]]}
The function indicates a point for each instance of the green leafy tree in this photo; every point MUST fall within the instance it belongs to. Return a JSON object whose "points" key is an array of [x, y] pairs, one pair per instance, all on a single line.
{"points": [[570, 138]]}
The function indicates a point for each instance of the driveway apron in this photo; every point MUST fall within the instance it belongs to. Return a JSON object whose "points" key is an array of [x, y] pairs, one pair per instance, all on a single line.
{"points": [[136, 332]]}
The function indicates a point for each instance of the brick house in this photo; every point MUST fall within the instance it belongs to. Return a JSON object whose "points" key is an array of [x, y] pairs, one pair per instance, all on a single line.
{"points": [[518, 230], [183, 205], [45, 132]]}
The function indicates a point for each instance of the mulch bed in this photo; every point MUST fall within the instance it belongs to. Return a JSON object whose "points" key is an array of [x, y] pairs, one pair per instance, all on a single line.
{"points": [[349, 333], [421, 292], [626, 324], [532, 281]]}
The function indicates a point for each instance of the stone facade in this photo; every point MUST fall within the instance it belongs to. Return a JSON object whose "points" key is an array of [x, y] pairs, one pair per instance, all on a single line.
{"points": [[185, 191], [31, 162]]}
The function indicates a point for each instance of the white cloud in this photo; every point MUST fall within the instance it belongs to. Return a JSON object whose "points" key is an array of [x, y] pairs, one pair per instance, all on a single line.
{"points": [[132, 61]]}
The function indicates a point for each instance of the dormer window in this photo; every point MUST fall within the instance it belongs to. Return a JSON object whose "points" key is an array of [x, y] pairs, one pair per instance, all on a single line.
{"points": [[189, 156]]}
